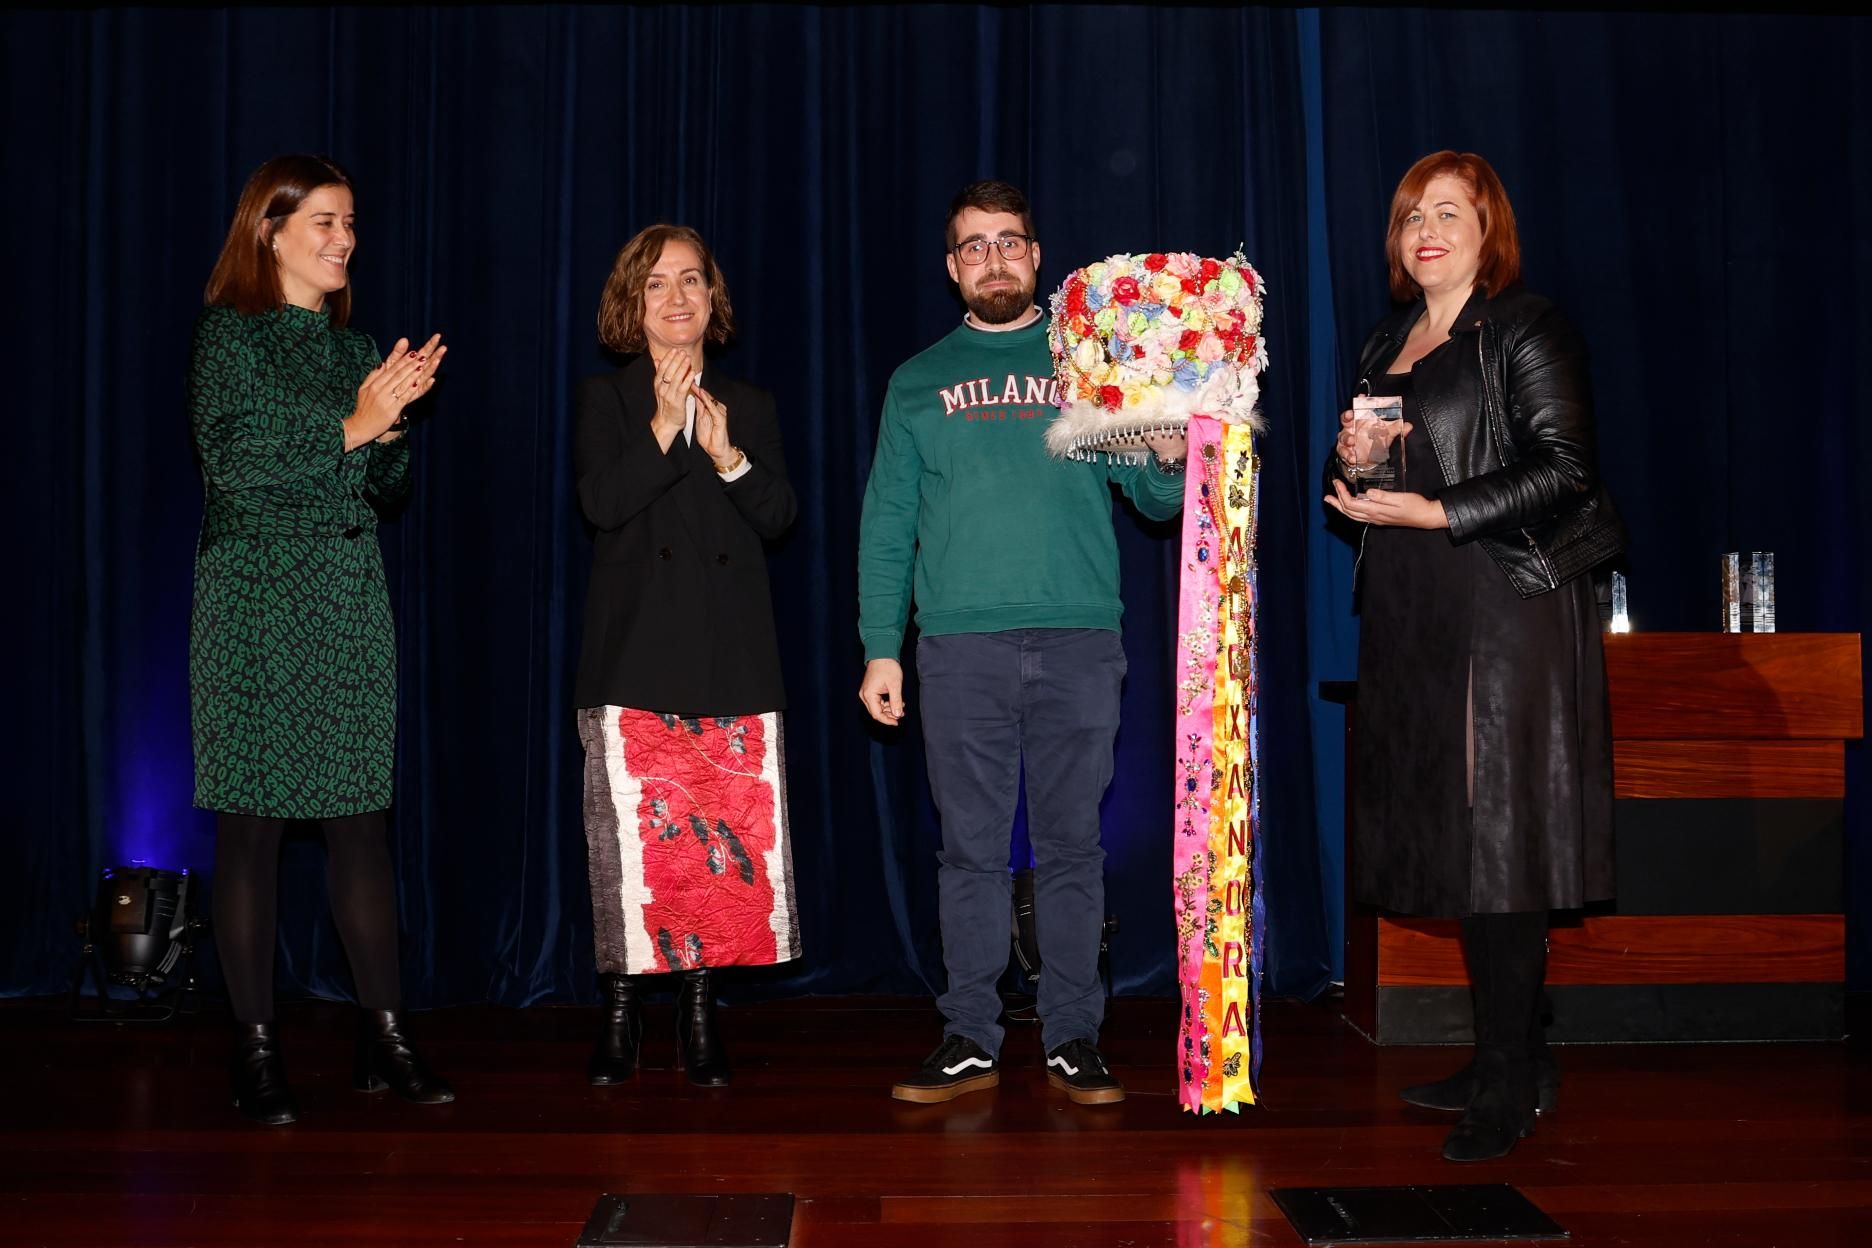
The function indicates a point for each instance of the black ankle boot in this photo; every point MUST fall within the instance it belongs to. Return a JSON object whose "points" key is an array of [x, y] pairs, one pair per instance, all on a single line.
{"points": [[1501, 1113], [260, 1090], [386, 1060], [620, 1032], [697, 1040]]}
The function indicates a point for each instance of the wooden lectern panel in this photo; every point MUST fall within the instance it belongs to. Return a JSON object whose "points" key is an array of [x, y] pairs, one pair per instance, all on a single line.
{"points": [[1637, 949], [1728, 686], [1714, 720], [1729, 768]]}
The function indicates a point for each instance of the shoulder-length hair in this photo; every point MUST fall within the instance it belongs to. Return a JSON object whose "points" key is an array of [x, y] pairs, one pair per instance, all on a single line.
{"points": [[246, 276], [621, 306], [1500, 260]]}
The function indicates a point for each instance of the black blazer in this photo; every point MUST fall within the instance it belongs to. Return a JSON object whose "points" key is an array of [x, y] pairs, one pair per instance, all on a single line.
{"points": [[678, 618]]}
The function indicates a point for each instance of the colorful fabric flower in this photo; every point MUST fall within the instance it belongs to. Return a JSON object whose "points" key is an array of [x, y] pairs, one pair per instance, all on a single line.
{"points": [[1140, 342]]}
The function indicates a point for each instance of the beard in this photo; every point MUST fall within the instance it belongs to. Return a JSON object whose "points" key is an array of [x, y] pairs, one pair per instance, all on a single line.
{"points": [[998, 307]]}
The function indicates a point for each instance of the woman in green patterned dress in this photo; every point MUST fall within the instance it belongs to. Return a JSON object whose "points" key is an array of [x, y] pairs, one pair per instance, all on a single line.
{"points": [[298, 426]]}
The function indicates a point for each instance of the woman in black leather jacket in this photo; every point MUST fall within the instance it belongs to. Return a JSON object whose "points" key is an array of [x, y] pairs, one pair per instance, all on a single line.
{"points": [[1483, 766]]}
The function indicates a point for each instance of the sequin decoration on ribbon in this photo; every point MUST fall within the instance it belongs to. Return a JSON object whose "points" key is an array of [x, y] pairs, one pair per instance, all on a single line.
{"points": [[1218, 900]]}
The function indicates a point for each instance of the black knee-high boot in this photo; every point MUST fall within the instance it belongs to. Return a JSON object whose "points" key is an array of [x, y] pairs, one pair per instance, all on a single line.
{"points": [[1453, 1094], [703, 1057], [1546, 1064], [620, 1032], [1508, 954]]}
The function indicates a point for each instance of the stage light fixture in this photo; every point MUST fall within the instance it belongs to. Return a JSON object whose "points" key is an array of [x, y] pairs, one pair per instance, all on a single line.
{"points": [[139, 935]]}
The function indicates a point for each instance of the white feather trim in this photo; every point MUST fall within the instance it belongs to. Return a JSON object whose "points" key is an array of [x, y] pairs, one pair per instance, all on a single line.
{"points": [[1083, 428]]}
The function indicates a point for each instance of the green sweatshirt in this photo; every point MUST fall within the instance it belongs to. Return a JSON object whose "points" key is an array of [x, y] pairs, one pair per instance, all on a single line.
{"points": [[998, 533]]}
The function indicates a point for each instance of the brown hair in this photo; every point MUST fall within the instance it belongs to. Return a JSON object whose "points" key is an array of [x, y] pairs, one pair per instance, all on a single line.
{"points": [[989, 196], [246, 276], [1499, 264], [621, 306]]}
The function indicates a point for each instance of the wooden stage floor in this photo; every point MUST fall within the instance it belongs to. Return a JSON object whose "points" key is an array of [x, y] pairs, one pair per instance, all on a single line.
{"points": [[117, 1137]]}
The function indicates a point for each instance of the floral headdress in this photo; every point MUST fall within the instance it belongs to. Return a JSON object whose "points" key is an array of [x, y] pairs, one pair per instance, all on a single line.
{"points": [[1142, 343]]}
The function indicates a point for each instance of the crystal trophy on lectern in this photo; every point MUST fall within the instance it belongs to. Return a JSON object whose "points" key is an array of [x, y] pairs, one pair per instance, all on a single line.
{"points": [[1748, 592]]}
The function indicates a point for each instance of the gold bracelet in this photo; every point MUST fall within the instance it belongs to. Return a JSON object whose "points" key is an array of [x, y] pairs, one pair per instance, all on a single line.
{"points": [[740, 457]]}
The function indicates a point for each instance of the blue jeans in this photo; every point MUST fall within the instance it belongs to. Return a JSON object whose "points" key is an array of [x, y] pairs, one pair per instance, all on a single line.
{"points": [[1045, 698]]}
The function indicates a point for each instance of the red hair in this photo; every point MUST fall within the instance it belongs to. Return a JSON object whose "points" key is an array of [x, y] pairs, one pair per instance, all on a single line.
{"points": [[1499, 265], [246, 275]]}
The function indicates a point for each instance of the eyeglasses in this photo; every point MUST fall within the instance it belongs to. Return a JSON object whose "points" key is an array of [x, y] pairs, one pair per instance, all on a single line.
{"points": [[975, 250]]}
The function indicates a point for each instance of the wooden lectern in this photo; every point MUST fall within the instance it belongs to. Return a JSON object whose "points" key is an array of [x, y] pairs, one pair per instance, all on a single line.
{"points": [[1729, 774]]}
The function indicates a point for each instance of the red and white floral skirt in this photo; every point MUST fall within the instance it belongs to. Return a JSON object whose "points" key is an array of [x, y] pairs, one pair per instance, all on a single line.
{"points": [[686, 827]]}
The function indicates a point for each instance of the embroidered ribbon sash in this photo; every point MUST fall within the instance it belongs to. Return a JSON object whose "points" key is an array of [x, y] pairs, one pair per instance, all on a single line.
{"points": [[1217, 882]]}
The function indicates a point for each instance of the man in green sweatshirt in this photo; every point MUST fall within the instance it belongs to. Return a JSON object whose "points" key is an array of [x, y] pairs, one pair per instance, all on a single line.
{"points": [[1014, 568]]}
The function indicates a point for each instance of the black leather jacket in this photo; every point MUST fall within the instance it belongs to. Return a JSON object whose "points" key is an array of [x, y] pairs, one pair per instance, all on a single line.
{"points": [[1508, 408]]}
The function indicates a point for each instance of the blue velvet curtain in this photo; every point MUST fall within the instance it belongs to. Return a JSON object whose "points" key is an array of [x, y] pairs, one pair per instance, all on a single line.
{"points": [[1687, 187]]}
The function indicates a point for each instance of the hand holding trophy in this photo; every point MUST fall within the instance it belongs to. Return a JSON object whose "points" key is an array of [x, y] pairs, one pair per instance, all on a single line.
{"points": [[1371, 443]]}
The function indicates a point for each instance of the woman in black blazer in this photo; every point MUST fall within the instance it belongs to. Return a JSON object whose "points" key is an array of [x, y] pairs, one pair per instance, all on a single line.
{"points": [[680, 471]]}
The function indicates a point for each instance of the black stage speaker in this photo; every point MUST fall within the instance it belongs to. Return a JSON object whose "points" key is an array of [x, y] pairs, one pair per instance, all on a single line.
{"points": [[1026, 940]]}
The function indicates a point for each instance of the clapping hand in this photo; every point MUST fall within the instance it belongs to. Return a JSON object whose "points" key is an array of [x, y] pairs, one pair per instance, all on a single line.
{"points": [[674, 373], [402, 378], [711, 427]]}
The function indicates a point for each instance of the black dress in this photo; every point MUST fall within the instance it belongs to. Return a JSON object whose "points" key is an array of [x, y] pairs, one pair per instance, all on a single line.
{"points": [[1434, 615]]}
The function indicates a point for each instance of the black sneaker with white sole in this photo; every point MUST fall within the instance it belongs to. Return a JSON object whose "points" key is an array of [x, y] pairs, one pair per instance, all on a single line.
{"points": [[1078, 1069], [957, 1067]]}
